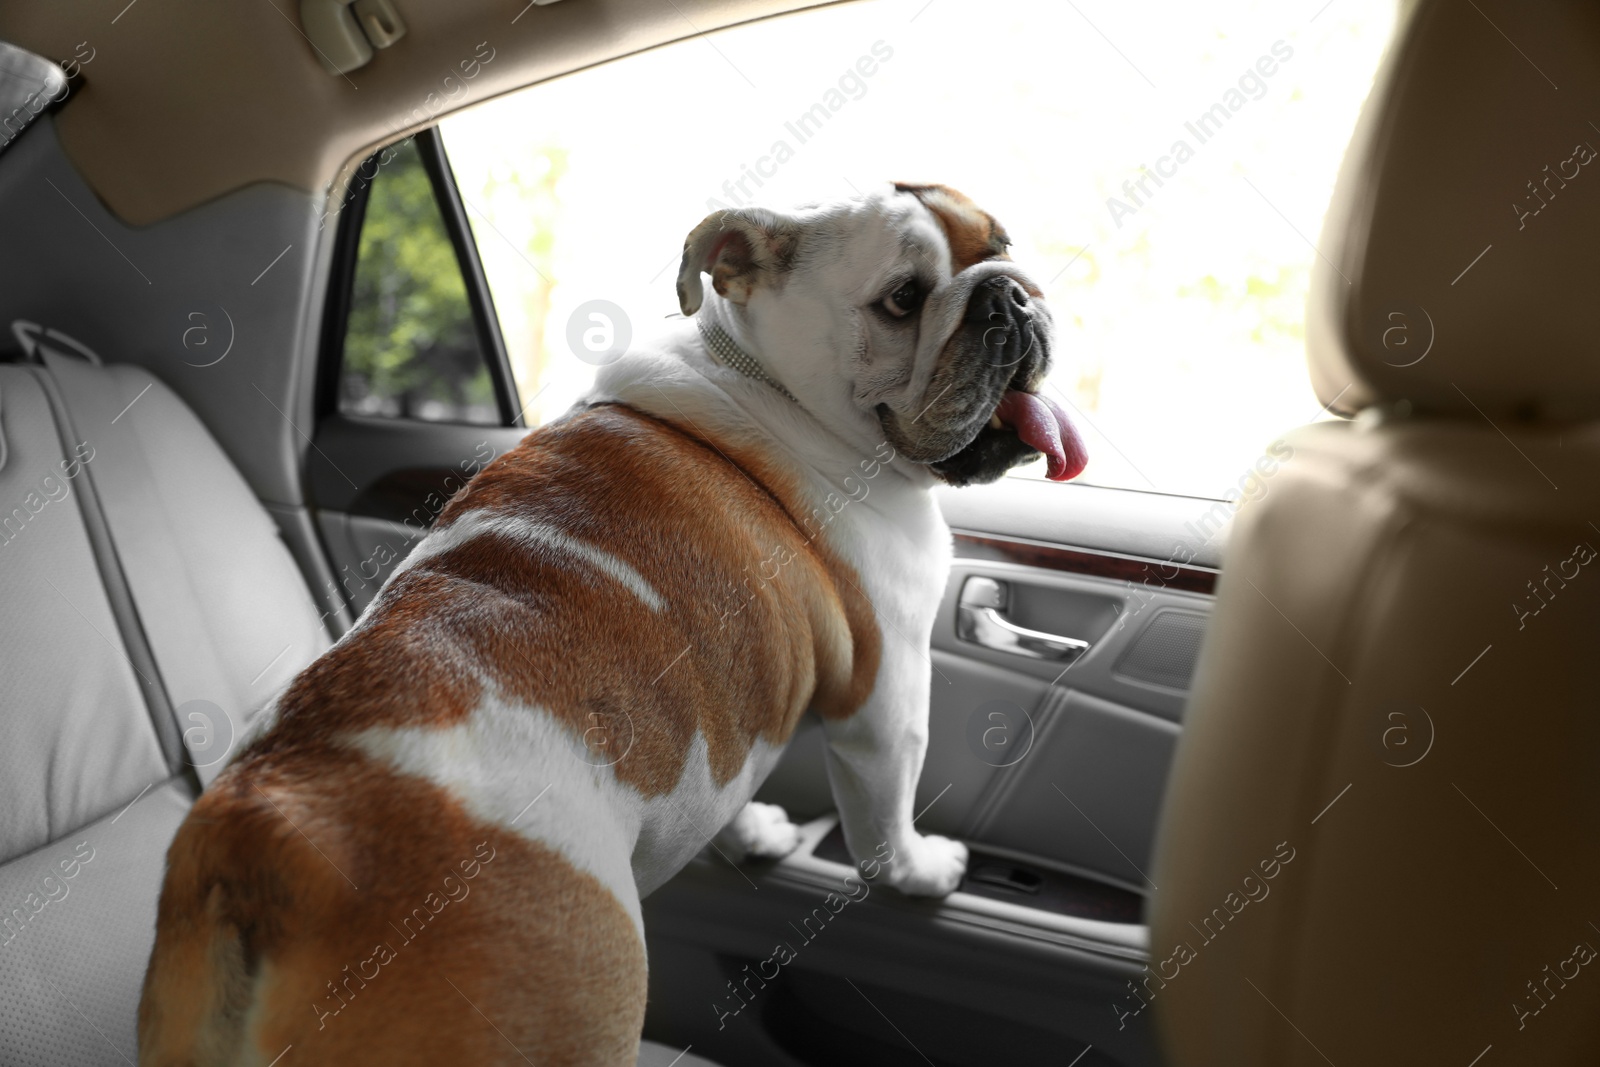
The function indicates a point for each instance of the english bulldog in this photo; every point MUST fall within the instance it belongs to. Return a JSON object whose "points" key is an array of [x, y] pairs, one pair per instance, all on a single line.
{"points": [[435, 848]]}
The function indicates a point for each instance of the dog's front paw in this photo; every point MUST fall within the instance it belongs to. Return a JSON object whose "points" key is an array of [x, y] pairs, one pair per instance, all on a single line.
{"points": [[930, 866], [759, 831]]}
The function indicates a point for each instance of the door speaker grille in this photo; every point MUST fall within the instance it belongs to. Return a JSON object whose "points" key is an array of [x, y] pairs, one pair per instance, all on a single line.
{"points": [[1165, 653]]}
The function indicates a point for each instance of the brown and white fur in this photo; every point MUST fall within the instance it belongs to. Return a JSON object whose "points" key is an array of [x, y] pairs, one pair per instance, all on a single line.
{"points": [[435, 849]]}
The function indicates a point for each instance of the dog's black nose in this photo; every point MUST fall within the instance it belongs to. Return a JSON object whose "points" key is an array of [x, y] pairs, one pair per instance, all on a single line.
{"points": [[998, 314], [994, 300]]}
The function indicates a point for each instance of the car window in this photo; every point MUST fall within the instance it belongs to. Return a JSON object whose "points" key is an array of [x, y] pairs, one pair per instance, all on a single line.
{"points": [[410, 346], [1163, 178]]}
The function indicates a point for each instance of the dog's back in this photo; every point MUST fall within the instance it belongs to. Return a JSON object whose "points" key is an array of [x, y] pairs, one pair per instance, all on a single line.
{"points": [[378, 877]]}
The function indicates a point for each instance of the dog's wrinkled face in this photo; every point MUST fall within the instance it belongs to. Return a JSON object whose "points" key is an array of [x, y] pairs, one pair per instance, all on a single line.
{"points": [[895, 315]]}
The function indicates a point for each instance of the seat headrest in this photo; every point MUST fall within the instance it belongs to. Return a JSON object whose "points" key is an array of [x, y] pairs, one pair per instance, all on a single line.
{"points": [[1460, 256]]}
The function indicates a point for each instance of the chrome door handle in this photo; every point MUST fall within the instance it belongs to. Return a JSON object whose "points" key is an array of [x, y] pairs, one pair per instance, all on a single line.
{"points": [[979, 620]]}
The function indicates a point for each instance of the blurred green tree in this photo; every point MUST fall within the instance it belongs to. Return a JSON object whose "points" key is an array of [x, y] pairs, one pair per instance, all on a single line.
{"points": [[410, 346]]}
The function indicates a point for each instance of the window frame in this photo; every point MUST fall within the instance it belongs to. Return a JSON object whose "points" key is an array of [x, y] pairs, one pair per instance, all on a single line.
{"points": [[342, 273]]}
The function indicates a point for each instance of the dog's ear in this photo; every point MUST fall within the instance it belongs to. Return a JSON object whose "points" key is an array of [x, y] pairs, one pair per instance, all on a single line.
{"points": [[739, 248], [974, 234]]}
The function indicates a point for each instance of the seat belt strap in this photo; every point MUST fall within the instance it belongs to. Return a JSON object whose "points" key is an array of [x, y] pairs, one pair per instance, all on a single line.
{"points": [[136, 645]]}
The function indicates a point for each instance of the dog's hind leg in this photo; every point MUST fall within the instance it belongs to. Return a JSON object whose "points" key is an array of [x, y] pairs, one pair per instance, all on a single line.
{"points": [[419, 936]]}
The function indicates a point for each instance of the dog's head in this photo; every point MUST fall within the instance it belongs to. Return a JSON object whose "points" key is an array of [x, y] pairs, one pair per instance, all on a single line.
{"points": [[895, 315]]}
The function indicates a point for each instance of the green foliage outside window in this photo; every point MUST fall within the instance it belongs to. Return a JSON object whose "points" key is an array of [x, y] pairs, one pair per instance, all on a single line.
{"points": [[410, 348]]}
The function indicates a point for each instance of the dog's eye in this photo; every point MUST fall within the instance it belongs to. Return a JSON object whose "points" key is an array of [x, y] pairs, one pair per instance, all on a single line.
{"points": [[904, 300]]}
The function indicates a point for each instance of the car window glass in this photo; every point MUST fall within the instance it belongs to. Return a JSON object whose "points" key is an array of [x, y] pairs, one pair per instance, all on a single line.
{"points": [[410, 346], [1164, 179]]}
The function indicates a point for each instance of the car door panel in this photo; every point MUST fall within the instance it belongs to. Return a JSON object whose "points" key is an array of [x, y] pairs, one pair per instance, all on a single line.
{"points": [[1115, 615], [1089, 794], [1147, 528], [378, 484], [1097, 734], [718, 981], [1058, 808]]}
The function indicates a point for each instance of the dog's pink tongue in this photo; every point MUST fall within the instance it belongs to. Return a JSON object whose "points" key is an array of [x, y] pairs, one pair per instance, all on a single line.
{"points": [[1043, 426]]}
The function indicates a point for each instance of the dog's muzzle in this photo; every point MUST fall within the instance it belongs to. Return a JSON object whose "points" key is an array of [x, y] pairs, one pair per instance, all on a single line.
{"points": [[984, 415]]}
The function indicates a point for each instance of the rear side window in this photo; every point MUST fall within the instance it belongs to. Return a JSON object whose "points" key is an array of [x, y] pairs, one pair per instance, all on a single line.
{"points": [[411, 347]]}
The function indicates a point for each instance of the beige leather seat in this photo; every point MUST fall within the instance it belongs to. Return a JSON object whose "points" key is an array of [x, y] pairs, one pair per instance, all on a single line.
{"points": [[1397, 711]]}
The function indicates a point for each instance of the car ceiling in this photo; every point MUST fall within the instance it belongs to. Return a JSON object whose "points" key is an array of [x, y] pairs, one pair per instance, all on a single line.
{"points": [[182, 103]]}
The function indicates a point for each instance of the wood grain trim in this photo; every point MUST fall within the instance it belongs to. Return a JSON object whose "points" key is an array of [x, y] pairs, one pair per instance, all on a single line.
{"points": [[1160, 573]]}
